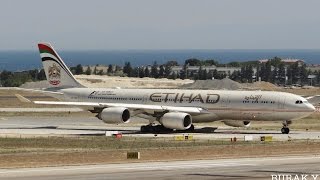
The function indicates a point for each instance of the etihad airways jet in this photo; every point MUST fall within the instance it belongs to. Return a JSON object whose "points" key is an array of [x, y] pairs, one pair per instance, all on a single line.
{"points": [[173, 109]]}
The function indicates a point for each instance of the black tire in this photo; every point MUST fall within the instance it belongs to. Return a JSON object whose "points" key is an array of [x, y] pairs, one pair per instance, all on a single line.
{"points": [[285, 130], [143, 129], [191, 128]]}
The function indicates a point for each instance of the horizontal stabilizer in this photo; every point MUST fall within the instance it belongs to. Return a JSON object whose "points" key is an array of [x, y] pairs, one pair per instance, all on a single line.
{"points": [[22, 99]]}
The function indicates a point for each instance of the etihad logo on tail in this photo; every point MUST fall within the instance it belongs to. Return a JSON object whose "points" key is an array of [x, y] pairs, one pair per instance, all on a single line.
{"points": [[47, 53]]}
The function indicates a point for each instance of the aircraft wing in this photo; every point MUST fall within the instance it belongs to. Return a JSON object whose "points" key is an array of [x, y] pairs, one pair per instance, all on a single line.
{"points": [[191, 110], [310, 97]]}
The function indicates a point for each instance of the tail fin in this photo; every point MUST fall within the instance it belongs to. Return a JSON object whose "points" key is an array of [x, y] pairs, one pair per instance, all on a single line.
{"points": [[57, 73]]}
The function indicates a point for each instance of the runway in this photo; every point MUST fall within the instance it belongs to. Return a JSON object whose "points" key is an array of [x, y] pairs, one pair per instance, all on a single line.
{"points": [[64, 126], [244, 168]]}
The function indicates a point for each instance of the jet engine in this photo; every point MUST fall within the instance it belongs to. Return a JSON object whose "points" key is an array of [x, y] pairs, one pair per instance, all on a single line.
{"points": [[234, 123], [114, 115], [176, 120]]}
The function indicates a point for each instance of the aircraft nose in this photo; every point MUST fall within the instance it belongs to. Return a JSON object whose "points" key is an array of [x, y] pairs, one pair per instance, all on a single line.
{"points": [[311, 107]]}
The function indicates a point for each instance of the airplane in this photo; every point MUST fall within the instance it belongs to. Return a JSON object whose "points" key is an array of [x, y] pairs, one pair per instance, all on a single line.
{"points": [[170, 109]]}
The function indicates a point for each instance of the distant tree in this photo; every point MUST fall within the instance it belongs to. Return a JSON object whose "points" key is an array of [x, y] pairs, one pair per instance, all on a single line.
{"points": [[95, 70], [282, 73], [161, 71], [318, 77], [236, 76], [4, 77], [118, 69], [275, 76], [275, 62], [210, 62], [33, 74], [192, 75], [268, 75], [303, 74], [201, 73], [215, 74], [193, 62], [110, 69], [168, 70], [171, 63], [79, 69], [243, 74], [173, 76], [290, 75], [41, 75], [141, 72], [249, 73], [135, 72], [88, 71], [204, 74], [9, 79], [234, 64], [210, 75], [100, 72], [154, 70], [183, 72], [295, 71], [266, 72], [146, 72], [127, 69]]}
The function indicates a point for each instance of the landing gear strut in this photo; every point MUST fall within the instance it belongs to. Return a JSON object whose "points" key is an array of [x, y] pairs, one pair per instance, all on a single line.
{"points": [[285, 129]]}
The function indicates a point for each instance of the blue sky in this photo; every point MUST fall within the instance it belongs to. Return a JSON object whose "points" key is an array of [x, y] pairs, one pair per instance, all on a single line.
{"points": [[162, 24]]}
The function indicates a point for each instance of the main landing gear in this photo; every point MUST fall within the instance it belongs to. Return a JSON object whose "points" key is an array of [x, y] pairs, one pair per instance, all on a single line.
{"points": [[161, 129], [285, 129], [154, 129], [191, 129]]}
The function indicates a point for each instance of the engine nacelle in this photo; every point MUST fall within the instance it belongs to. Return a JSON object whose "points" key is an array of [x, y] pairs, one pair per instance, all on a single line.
{"points": [[234, 123], [114, 115], [176, 120]]}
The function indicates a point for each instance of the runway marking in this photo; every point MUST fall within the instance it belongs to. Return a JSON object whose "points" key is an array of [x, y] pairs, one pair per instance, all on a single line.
{"points": [[125, 167], [178, 166], [155, 165]]}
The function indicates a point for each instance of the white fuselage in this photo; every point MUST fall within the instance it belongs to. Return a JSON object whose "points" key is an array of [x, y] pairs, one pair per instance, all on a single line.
{"points": [[222, 104]]}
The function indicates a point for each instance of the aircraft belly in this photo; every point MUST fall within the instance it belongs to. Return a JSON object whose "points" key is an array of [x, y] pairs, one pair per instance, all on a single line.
{"points": [[205, 118]]}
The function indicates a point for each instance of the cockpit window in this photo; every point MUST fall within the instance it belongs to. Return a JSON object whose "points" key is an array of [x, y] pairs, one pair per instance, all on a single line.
{"points": [[298, 102]]}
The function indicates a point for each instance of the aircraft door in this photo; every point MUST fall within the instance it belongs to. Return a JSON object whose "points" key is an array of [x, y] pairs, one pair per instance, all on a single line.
{"points": [[225, 101], [145, 99]]}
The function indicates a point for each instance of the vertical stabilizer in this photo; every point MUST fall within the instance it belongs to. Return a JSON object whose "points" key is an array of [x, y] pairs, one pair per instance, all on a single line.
{"points": [[57, 73]]}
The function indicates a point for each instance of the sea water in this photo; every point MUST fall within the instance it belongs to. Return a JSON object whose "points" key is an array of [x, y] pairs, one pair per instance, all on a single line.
{"points": [[27, 60]]}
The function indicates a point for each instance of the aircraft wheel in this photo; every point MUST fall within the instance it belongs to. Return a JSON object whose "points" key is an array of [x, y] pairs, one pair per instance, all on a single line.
{"points": [[162, 129], [146, 129], [285, 130], [143, 129], [191, 129]]}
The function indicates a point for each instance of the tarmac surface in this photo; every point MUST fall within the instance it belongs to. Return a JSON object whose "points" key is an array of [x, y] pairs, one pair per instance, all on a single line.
{"points": [[241, 169], [65, 126]]}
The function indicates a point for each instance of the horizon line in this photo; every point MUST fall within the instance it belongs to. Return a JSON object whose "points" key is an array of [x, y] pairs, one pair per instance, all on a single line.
{"points": [[187, 49]]}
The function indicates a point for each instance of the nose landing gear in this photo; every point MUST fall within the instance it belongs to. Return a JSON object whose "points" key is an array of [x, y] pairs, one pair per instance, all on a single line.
{"points": [[285, 129]]}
